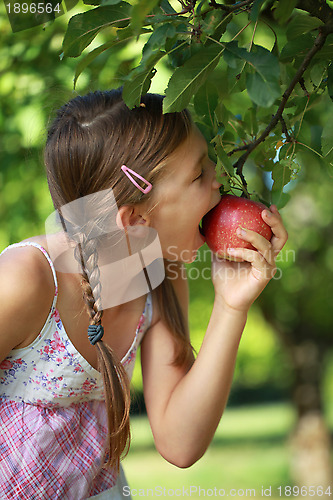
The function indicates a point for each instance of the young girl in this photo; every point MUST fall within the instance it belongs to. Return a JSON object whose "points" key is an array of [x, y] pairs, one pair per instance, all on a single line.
{"points": [[64, 407]]}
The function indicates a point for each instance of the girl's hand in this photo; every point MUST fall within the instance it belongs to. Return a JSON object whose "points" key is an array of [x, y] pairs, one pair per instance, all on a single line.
{"points": [[238, 284]]}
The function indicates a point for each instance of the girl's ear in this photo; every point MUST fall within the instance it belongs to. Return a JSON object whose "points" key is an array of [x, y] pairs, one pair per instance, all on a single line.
{"points": [[131, 215]]}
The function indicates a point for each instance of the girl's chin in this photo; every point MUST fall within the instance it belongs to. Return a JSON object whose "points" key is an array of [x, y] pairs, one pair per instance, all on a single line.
{"points": [[193, 257]]}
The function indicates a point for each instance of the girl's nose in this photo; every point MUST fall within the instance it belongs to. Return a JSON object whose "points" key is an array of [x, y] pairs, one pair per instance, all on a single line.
{"points": [[216, 184]]}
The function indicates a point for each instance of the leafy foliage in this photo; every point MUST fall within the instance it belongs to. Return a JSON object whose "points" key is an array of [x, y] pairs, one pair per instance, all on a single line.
{"points": [[215, 51], [33, 84]]}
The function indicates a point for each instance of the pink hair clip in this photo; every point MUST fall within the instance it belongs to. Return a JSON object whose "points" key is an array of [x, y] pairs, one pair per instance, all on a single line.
{"points": [[127, 171]]}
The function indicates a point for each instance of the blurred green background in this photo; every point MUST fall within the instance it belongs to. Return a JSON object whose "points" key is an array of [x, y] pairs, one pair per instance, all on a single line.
{"points": [[285, 363]]}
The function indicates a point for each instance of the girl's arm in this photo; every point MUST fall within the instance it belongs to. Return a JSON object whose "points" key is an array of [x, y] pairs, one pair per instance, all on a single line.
{"points": [[26, 294], [185, 405]]}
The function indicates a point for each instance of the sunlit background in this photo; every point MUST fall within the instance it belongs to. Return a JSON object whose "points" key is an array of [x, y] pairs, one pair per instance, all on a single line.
{"points": [[289, 329]]}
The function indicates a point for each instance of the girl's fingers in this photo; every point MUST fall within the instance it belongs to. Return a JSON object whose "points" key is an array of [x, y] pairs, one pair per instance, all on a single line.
{"points": [[260, 267], [263, 246], [274, 220], [263, 258]]}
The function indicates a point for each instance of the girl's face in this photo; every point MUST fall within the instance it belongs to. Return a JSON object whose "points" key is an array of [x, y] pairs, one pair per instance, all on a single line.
{"points": [[187, 191]]}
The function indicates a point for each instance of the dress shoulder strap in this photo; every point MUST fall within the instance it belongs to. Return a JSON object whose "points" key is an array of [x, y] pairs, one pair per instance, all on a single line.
{"points": [[42, 249]]}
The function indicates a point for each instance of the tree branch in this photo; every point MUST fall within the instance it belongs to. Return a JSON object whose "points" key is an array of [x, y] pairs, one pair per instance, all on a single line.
{"points": [[240, 148], [303, 87], [230, 8], [285, 130], [324, 31]]}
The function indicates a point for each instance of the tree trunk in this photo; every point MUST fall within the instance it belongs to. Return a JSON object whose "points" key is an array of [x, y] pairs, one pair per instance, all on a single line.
{"points": [[310, 442], [311, 452]]}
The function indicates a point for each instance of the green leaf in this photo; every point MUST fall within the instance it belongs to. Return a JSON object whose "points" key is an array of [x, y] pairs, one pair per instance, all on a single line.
{"points": [[215, 23], [225, 181], [330, 80], [281, 175], [89, 58], [266, 164], [206, 131], [260, 91], [238, 125], [186, 80], [222, 113], [317, 73], [199, 7], [179, 54], [85, 61], [327, 141], [206, 100], [284, 9], [298, 47], [251, 121], [83, 28], [302, 24], [231, 58], [254, 14], [280, 199], [159, 36], [99, 2], [326, 53], [139, 80], [139, 12], [263, 84], [229, 137], [224, 164], [127, 33], [166, 7], [159, 18]]}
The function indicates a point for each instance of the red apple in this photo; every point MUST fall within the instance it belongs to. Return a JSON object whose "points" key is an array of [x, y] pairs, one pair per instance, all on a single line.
{"points": [[220, 224]]}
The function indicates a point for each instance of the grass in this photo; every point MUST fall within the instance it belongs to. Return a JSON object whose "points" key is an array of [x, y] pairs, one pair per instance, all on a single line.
{"points": [[249, 452]]}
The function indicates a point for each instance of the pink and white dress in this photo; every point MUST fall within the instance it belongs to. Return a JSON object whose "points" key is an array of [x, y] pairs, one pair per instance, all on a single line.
{"points": [[53, 424]]}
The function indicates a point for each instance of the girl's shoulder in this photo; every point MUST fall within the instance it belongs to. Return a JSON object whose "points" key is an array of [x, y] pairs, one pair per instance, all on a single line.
{"points": [[26, 294], [20, 263]]}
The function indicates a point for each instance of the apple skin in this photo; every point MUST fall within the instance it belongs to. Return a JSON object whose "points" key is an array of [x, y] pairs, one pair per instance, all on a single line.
{"points": [[220, 224]]}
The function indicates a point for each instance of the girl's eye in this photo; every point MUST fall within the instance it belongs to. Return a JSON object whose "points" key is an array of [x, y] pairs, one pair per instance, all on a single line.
{"points": [[199, 176]]}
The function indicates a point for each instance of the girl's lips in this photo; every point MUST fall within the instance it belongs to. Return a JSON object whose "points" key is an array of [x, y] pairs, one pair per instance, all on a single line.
{"points": [[200, 224]]}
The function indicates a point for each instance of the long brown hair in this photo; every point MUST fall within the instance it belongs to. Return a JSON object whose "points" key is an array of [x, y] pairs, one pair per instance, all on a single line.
{"points": [[88, 141]]}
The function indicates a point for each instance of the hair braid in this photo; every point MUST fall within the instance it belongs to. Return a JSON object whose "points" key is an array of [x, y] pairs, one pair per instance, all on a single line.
{"points": [[115, 379], [86, 254]]}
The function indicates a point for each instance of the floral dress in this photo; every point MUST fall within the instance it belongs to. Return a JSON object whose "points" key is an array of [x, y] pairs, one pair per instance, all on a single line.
{"points": [[53, 424]]}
